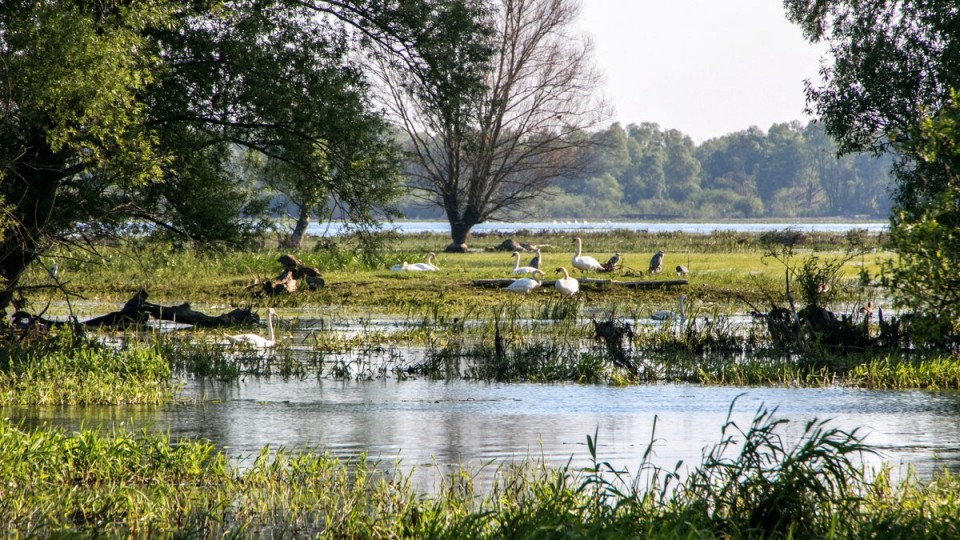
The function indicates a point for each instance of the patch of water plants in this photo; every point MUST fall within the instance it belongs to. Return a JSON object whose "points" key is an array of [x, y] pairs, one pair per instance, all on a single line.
{"points": [[68, 368], [752, 484]]}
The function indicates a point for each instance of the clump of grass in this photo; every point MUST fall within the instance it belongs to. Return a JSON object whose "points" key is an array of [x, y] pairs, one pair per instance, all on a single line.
{"points": [[67, 369], [936, 373], [771, 489]]}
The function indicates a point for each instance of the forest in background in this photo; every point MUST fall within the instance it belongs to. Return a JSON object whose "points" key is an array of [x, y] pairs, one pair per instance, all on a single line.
{"points": [[645, 171]]}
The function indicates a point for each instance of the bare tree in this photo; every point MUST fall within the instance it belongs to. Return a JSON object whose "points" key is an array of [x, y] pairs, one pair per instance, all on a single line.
{"points": [[490, 150]]}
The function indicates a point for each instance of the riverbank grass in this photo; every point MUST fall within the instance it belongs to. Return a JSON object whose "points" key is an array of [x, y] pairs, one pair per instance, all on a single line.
{"points": [[752, 484]]}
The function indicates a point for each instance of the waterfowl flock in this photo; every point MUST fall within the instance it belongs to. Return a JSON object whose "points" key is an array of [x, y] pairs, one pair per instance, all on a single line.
{"points": [[533, 275]]}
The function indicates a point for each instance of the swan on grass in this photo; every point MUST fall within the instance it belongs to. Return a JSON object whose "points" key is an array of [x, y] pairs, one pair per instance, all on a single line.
{"points": [[525, 285], [567, 285], [584, 262], [517, 269], [417, 267], [256, 340], [425, 266]]}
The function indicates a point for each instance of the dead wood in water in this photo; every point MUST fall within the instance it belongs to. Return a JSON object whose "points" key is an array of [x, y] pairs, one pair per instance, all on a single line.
{"points": [[612, 334], [137, 311]]}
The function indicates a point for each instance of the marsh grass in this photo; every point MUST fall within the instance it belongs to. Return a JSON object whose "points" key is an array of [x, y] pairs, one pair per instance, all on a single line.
{"points": [[724, 267], [756, 482], [67, 369]]}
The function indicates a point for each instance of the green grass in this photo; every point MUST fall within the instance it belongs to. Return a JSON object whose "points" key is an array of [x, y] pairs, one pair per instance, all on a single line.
{"points": [[725, 269], [69, 370], [751, 484]]}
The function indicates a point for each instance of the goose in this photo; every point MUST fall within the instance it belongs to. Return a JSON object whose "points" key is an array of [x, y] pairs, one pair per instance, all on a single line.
{"points": [[424, 266], [256, 340], [584, 262], [525, 285], [567, 285], [517, 269], [656, 263], [665, 315]]}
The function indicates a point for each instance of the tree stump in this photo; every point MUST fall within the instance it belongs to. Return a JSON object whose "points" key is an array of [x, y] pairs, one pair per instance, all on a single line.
{"points": [[293, 270], [612, 334]]}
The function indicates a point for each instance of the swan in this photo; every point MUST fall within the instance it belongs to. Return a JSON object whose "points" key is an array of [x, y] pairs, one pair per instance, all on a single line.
{"points": [[567, 285], [664, 315], [517, 269], [424, 266], [584, 262], [400, 267], [525, 285], [255, 340]]}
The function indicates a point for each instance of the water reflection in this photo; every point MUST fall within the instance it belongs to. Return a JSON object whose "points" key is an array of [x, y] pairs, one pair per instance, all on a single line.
{"points": [[455, 423]]}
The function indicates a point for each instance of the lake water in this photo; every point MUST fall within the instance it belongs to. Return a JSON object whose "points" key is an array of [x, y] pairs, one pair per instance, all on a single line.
{"points": [[436, 426], [442, 227]]}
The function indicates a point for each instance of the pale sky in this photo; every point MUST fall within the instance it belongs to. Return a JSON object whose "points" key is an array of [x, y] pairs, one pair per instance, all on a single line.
{"points": [[704, 67]]}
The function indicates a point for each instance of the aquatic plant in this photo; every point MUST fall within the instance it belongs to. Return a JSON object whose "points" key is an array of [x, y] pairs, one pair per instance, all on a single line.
{"points": [[64, 368]]}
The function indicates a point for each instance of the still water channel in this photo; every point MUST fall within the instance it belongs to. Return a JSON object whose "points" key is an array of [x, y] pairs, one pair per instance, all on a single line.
{"points": [[433, 426]]}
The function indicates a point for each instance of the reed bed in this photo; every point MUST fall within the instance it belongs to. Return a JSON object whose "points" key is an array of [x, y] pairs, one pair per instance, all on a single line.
{"points": [[751, 484]]}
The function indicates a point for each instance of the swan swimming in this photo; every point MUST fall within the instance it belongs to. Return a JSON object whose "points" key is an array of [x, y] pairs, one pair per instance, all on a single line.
{"points": [[256, 340]]}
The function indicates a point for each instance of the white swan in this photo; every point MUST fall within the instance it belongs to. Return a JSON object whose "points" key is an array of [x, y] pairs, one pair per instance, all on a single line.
{"points": [[567, 285], [665, 315], [424, 266], [400, 267], [584, 262], [517, 269], [255, 340], [525, 285]]}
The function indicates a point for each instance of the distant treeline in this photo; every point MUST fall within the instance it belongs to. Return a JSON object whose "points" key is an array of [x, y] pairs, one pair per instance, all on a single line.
{"points": [[644, 171]]}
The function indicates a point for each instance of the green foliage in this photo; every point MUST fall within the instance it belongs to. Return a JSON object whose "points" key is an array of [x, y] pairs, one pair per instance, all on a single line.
{"points": [[143, 116], [789, 171], [66, 369], [925, 278]]}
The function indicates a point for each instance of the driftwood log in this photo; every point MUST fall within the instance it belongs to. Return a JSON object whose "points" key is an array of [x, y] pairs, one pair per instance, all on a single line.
{"points": [[512, 245], [137, 311], [648, 284]]}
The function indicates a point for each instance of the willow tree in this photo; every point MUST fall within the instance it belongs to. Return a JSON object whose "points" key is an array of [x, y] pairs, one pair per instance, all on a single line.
{"points": [[122, 112], [490, 150]]}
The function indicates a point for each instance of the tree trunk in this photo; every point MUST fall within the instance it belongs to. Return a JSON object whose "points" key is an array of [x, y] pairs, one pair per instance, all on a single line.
{"points": [[295, 240], [458, 235]]}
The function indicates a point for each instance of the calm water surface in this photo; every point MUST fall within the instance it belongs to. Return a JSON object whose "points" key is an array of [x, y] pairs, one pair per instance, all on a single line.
{"points": [[425, 423]]}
